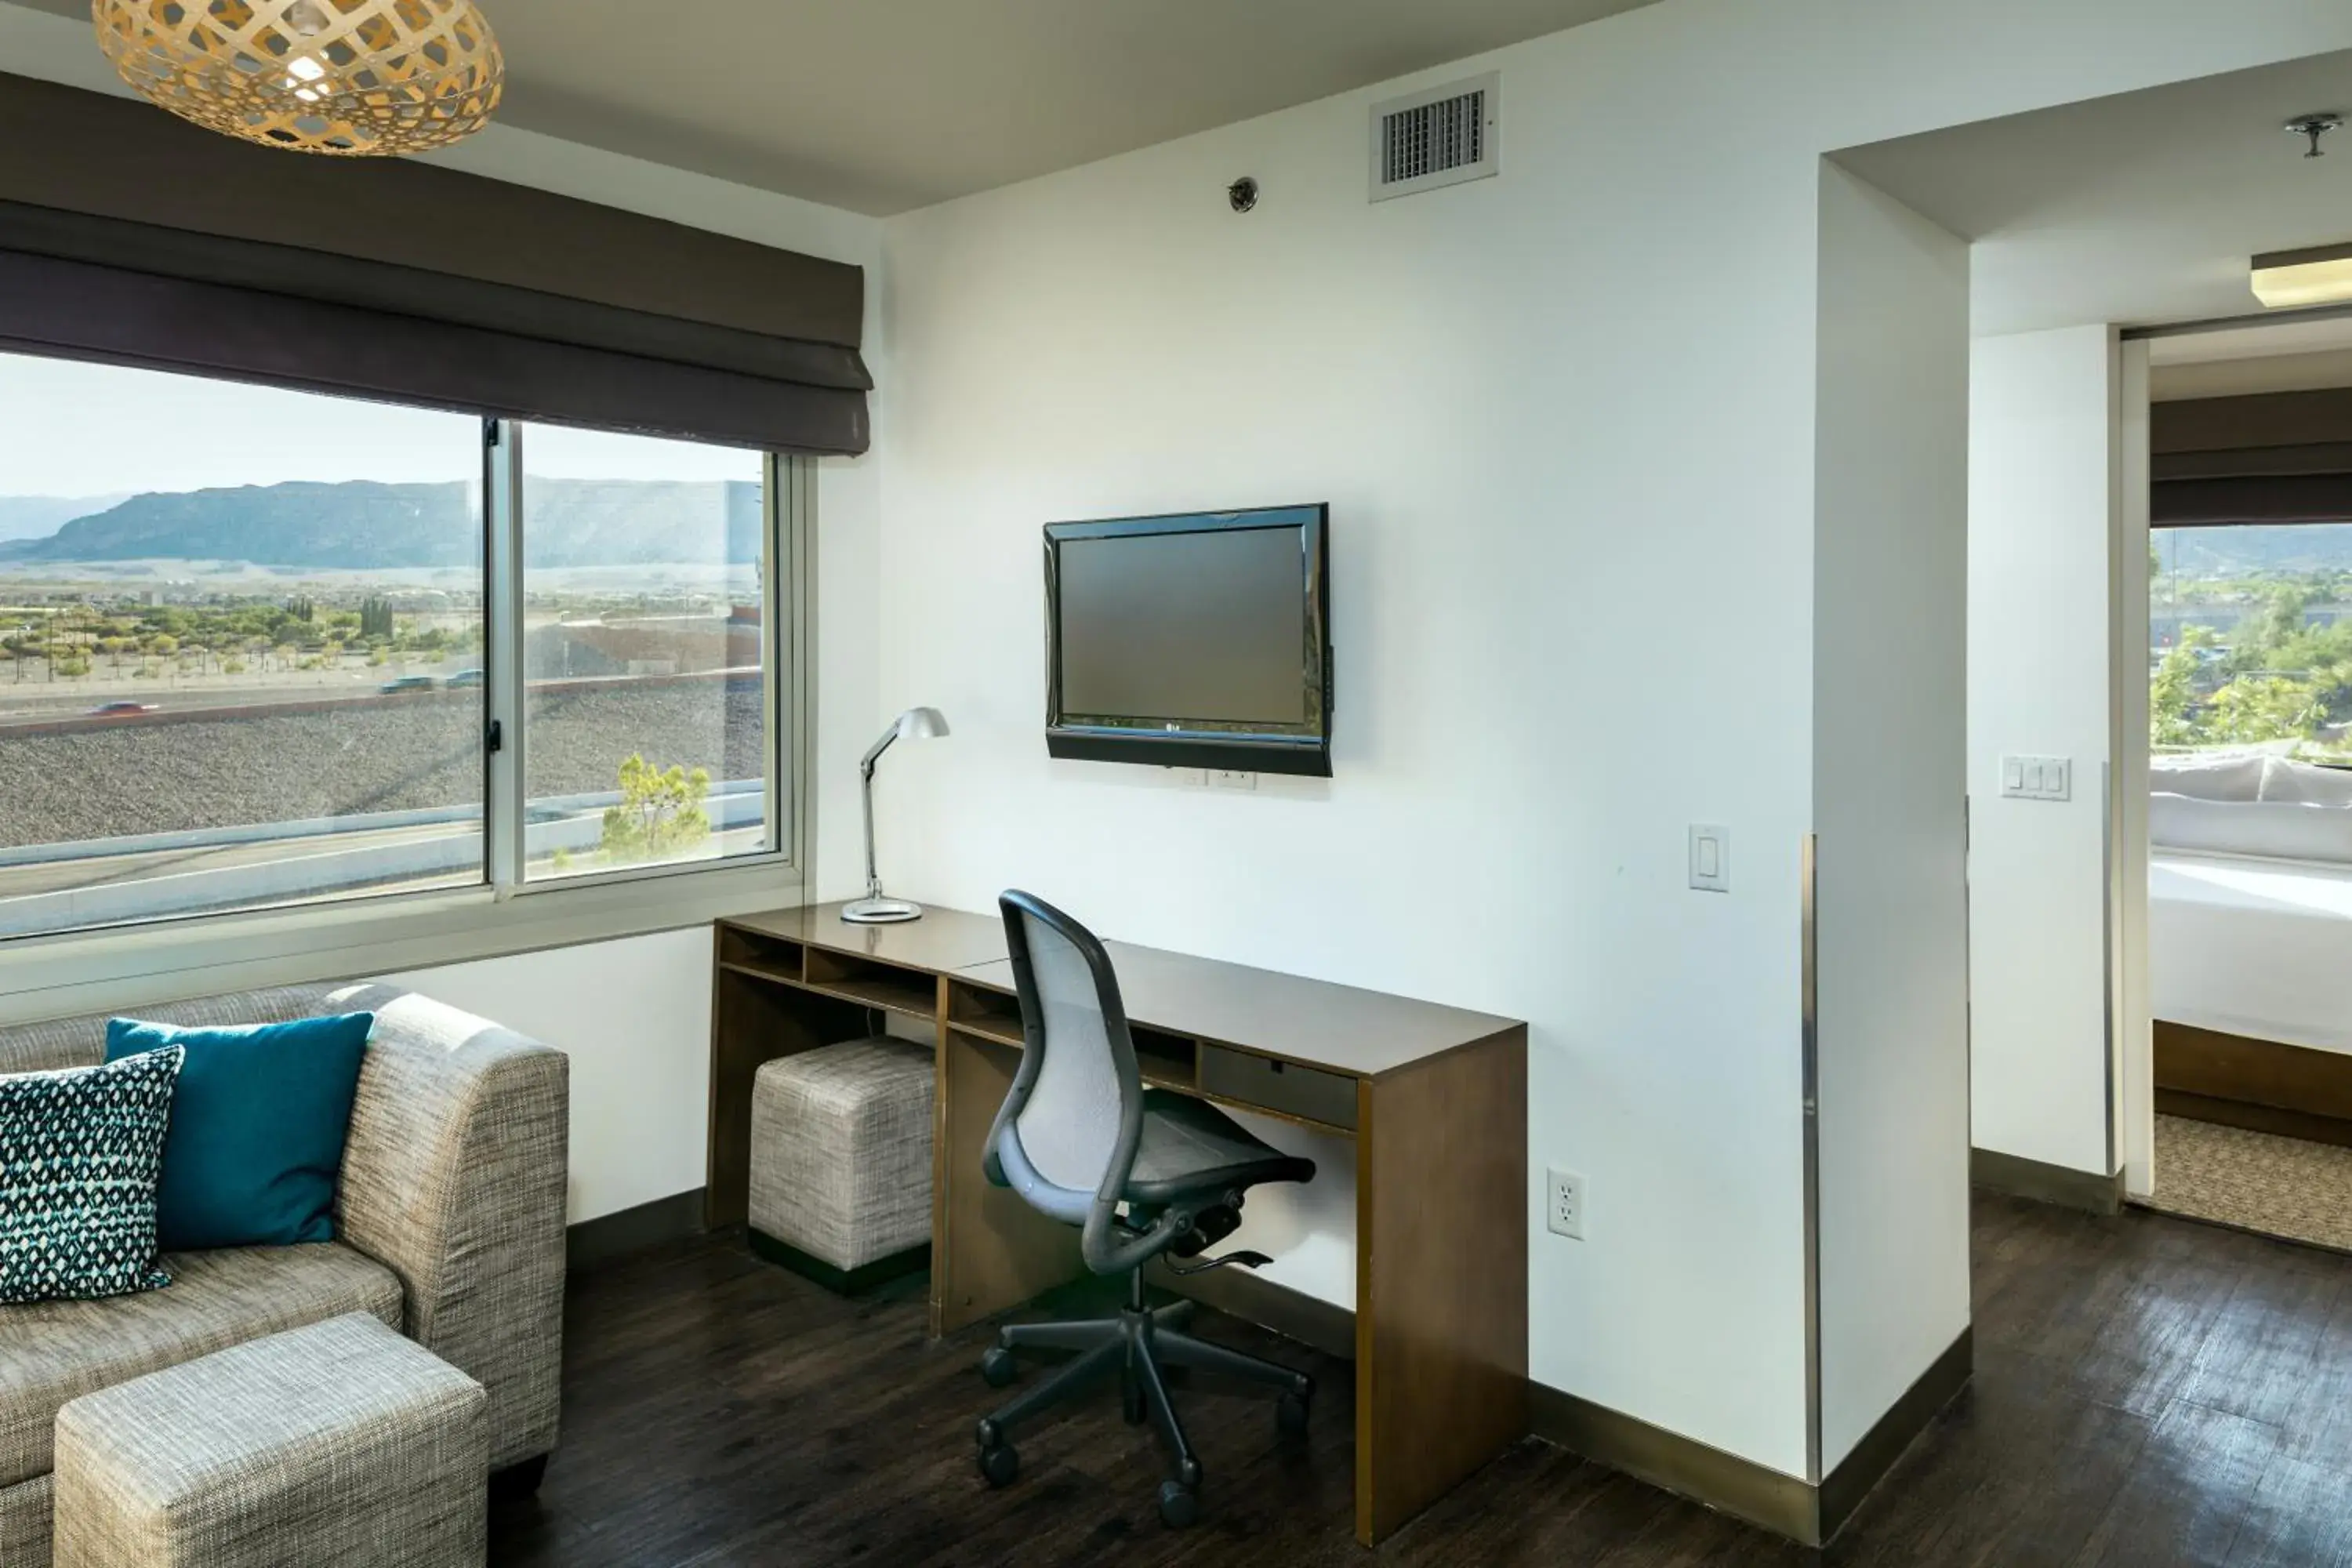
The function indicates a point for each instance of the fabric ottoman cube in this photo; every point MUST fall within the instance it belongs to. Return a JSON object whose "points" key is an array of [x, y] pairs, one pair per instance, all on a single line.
{"points": [[840, 1161], [340, 1442]]}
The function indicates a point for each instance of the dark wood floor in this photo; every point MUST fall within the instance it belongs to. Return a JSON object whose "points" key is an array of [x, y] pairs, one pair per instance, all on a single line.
{"points": [[2149, 1391]]}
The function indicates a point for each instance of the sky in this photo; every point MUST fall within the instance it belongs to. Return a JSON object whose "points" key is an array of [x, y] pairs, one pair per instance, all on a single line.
{"points": [[72, 429]]}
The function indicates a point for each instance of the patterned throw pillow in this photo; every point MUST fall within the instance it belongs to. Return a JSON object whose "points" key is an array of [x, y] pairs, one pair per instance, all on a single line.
{"points": [[80, 1155]]}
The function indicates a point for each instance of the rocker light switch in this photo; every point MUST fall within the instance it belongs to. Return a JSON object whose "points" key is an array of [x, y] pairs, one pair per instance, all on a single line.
{"points": [[2037, 778], [1710, 857]]}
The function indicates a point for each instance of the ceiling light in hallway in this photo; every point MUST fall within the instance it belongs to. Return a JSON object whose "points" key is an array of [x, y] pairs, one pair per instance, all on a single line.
{"points": [[2321, 275]]}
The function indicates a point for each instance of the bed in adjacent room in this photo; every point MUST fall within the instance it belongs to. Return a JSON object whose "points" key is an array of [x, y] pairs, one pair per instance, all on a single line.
{"points": [[2249, 897]]}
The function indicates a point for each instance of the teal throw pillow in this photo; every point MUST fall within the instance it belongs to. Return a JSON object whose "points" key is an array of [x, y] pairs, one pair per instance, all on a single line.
{"points": [[258, 1128]]}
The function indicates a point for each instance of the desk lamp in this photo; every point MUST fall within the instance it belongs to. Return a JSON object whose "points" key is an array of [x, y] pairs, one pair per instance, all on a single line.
{"points": [[914, 724]]}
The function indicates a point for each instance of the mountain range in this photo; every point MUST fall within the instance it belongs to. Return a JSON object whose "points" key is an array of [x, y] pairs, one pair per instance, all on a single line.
{"points": [[363, 524], [36, 517], [2252, 549]]}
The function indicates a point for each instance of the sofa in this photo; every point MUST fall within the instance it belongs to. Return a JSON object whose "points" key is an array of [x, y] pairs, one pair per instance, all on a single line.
{"points": [[449, 1228]]}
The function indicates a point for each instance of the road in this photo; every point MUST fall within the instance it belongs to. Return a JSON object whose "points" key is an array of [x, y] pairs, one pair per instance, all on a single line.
{"points": [[36, 703]]}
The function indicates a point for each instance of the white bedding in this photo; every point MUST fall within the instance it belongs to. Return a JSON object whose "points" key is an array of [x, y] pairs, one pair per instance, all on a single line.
{"points": [[2251, 948]]}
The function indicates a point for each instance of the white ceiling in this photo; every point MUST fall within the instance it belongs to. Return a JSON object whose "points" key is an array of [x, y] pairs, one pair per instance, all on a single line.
{"points": [[2139, 209], [883, 105]]}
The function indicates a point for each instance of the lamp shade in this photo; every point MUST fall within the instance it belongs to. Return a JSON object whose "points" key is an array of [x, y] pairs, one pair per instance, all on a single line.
{"points": [[922, 724], [351, 76]]}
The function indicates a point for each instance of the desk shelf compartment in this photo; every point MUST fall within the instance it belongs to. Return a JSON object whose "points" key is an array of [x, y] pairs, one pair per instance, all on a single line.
{"points": [[1165, 1060], [990, 1014], [872, 983], [762, 957]]}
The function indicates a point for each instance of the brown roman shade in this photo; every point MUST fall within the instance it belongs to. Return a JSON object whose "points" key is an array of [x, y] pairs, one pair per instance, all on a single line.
{"points": [[2267, 457], [127, 235]]}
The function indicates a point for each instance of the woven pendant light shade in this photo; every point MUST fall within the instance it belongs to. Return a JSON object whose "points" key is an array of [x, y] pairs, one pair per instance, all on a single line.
{"points": [[351, 76]]}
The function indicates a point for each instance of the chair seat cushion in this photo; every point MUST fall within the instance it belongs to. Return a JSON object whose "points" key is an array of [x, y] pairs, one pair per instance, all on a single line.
{"points": [[57, 1351], [1189, 1146]]}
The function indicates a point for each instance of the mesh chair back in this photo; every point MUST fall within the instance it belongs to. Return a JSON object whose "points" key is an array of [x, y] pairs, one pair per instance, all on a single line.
{"points": [[1071, 1119]]}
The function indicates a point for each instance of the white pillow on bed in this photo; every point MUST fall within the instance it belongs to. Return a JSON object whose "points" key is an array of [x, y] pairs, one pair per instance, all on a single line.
{"points": [[2283, 829], [2305, 784], [2201, 776]]}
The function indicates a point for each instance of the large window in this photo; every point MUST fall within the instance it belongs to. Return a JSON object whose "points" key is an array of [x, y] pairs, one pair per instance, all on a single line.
{"points": [[2249, 632], [261, 646]]}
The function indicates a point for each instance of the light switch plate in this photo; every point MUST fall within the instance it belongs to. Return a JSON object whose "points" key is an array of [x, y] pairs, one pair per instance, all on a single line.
{"points": [[1710, 857], [2037, 778]]}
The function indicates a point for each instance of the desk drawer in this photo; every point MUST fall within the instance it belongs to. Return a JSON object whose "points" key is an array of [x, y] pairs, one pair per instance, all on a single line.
{"points": [[1285, 1086]]}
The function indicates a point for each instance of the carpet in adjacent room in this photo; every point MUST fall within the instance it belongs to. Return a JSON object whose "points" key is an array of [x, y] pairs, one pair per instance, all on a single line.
{"points": [[2254, 1180]]}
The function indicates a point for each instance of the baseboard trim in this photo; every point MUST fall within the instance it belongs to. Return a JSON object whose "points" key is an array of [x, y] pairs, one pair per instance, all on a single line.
{"points": [[1293, 1314], [1844, 1487], [843, 1281], [1668, 1460], [2044, 1184], [2309, 1126], [1764, 1496], [593, 1243]]}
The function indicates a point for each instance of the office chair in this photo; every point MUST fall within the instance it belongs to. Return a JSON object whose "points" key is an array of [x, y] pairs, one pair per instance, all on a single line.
{"points": [[1080, 1138]]}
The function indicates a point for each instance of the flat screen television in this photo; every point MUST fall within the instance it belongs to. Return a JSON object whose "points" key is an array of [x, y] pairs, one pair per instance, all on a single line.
{"points": [[1197, 640]]}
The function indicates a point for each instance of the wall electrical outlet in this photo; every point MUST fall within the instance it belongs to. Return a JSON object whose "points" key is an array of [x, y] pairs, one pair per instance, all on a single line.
{"points": [[1564, 1210], [1232, 778]]}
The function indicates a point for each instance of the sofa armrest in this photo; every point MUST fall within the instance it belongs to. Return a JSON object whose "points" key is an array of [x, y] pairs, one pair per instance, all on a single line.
{"points": [[454, 1178]]}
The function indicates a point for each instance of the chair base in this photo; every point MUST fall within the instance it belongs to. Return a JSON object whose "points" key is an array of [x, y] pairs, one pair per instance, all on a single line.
{"points": [[1138, 1346]]}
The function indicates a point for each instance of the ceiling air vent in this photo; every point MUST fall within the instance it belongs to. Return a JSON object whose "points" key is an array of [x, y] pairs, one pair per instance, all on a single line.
{"points": [[1441, 137]]}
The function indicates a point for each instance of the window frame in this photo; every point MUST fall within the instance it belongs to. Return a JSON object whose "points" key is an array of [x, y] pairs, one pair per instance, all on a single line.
{"points": [[365, 933], [505, 798]]}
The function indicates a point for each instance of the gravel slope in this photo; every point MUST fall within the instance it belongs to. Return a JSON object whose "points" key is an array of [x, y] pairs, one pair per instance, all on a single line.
{"points": [[159, 777]]}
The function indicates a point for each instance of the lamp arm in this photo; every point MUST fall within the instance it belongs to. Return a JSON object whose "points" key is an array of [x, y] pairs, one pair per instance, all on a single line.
{"points": [[865, 786]]}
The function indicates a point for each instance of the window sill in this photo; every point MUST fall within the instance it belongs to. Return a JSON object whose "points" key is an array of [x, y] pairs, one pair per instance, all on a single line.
{"points": [[90, 971]]}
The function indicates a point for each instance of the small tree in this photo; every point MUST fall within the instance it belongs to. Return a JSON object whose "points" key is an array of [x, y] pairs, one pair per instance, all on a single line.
{"points": [[2172, 693], [659, 816]]}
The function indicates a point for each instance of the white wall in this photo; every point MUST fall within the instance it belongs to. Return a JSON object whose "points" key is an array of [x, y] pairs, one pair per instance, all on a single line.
{"points": [[2042, 475], [635, 1017], [1890, 574], [1566, 422]]}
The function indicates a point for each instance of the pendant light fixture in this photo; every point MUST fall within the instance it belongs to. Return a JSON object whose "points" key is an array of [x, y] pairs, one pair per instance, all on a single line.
{"points": [[351, 76]]}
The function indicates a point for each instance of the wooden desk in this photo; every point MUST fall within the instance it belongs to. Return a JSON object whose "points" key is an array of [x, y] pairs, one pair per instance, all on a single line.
{"points": [[1434, 1097]]}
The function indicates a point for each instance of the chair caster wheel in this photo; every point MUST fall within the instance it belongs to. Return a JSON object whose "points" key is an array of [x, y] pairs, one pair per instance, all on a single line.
{"points": [[1179, 1506], [999, 1368], [999, 1464], [1290, 1413]]}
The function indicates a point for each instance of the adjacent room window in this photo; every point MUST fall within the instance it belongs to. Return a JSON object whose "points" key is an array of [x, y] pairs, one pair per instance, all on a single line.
{"points": [[645, 625], [251, 643], [2250, 631]]}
